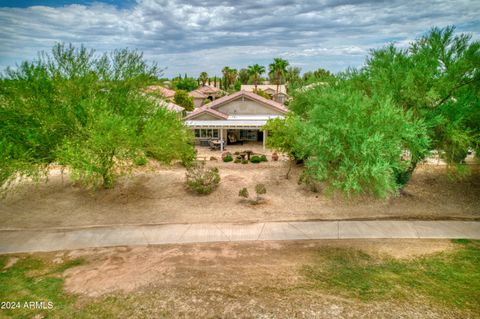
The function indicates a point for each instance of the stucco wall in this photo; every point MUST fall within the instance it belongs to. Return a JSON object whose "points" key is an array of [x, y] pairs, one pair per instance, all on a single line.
{"points": [[197, 102], [204, 116], [247, 107]]}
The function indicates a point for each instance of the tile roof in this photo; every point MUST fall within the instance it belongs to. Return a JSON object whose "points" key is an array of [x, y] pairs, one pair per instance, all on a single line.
{"points": [[212, 106], [218, 102], [198, 95], [250, 88], [203, 109], [207, 89], [160, 89]]}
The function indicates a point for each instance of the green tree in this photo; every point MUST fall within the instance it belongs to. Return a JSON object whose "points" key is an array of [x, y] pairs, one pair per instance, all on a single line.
{"points": [[437, 78], [278, 70], [354, 143], [186, 84], [203, 78], [86, 112], [243, 76], [283, 137], [293, 75], [255, 72], [182, 98]]}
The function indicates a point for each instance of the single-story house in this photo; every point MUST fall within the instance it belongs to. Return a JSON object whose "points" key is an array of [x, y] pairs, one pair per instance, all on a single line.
{"points": [[167, 93], [234, 118], [270, 89], [206, 92]]}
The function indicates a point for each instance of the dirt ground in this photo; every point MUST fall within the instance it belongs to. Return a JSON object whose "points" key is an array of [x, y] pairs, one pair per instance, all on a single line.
{"points": [[156, 194], [234, 280]]}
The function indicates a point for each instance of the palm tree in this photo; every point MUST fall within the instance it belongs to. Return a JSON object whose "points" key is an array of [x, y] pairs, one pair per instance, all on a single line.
{"points": [[278, 69], [225, 72], [229, 75], [203, 78], [255, 71]]}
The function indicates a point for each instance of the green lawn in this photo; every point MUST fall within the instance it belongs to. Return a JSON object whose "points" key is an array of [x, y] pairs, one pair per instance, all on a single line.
{"points": [[449, 279]]}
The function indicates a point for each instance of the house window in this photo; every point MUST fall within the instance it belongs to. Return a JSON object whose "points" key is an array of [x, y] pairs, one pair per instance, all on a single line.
{"points": [[248, 135], [206, 133]]}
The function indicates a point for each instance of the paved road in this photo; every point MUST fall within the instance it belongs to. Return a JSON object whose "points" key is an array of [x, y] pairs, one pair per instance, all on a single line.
{"points": [[15, 241]]}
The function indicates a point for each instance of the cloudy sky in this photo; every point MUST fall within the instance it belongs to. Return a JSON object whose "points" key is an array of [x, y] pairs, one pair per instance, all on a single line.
{"points": [[204, 35]]}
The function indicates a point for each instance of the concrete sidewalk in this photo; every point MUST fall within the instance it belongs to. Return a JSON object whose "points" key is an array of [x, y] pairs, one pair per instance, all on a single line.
{"points": [[16, 241]]}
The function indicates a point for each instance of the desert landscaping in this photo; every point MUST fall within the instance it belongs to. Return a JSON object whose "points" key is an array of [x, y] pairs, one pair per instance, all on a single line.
{"points": [[157, 194]]}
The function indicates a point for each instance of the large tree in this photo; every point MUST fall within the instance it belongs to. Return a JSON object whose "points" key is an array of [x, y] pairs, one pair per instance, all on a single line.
{"points": [[86, 112], [255, 71], [366, 131], [438, 79], [351, 142], [278, 71]]}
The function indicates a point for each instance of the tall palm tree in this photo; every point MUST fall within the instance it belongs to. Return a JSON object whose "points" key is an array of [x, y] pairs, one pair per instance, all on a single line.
{"points": [[225, 72], [255, 71], [229, 75], [278, 69], [203, 78]]}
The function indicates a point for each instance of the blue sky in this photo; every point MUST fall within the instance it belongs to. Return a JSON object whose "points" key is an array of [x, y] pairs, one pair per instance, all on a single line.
{"points": [[203, 35]]}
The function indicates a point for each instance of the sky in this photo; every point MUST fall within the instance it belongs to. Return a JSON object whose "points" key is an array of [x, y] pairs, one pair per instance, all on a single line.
{"points": [[201, 35]]}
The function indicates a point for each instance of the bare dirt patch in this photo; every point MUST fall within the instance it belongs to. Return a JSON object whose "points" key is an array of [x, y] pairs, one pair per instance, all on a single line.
{"points": [[156, 194], [237, 280], [127, 269]]}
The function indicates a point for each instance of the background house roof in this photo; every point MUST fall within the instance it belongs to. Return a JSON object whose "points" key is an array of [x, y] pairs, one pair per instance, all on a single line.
{"points": [[160, 89], [197, 95], [250, 88], [207, 89]]}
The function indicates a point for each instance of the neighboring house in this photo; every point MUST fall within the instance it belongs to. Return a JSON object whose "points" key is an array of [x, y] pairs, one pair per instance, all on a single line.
{"points": [[198, 98], [166, 101], [270, 89], [238, 117], [205, 92], [167, 93]]}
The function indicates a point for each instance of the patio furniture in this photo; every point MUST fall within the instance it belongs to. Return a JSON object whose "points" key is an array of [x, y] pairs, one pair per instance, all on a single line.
{"points": [[232, 139], [215, 144]]}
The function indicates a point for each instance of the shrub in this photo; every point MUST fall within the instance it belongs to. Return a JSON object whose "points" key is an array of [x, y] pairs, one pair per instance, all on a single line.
{"points": [[224, 154], [202, 180], [260, 189], [243, 193], [255, 159], [244, 162], [228, 158], [237, 153], [237, 160], [263, 158], [140, 161]]}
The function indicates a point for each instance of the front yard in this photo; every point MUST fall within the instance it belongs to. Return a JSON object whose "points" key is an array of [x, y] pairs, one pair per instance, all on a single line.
{"points": [[157, 194], [314, 279]]}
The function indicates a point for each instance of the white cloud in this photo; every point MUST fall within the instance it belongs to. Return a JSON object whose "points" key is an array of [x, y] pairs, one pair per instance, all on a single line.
{"points": [[191, 36]]}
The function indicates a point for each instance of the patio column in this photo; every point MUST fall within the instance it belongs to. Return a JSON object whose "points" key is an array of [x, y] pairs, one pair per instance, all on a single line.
{"points": [[264, 139], [221, 140]]}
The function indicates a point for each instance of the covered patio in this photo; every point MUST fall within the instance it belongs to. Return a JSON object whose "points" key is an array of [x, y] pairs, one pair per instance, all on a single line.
{"points": [[229, 132]]}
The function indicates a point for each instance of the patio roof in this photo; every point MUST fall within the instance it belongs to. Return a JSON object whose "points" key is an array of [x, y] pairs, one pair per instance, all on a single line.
{"points": [[242, 124]]}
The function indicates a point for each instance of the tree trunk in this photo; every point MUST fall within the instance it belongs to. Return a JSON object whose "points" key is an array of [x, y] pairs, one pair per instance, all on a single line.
{"points": [[290, 161]]}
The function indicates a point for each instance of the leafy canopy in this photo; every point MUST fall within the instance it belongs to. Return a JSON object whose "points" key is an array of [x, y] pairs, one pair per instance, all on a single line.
{"points": [[86, 112]]}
